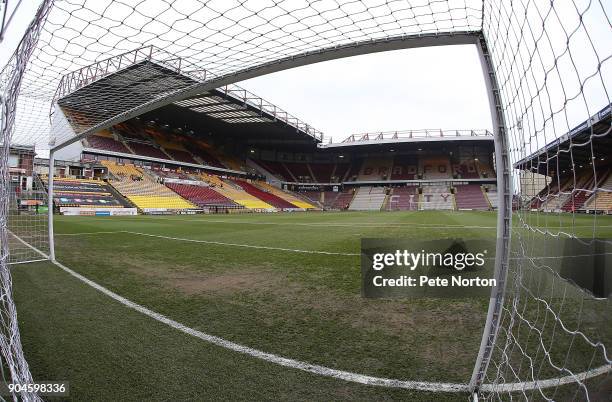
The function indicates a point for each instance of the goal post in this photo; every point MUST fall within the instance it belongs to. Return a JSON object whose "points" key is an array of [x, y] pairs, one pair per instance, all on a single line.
{"points": [[547, 69]]}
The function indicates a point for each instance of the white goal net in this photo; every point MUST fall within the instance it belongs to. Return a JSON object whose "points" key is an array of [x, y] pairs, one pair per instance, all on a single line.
{"points": [[548, 69]]}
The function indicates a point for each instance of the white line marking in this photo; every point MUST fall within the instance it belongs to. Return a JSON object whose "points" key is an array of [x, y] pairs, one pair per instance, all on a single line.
{"points": [[88, 233], [243, 245], [214, 242], [314, 368], [551, 382], [344, 225], [27, 262]]}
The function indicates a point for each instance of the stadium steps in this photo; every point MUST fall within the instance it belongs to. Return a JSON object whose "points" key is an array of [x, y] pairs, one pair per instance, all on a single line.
{"points": [[235, 193], [368, 198], [143, 191], [300, 203], [264, 196], [470, 196]]}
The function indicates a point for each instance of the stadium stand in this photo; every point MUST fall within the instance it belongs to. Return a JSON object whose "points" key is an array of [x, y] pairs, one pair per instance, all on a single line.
{"points": [[314, 197], [470, 196], [146, 149], [290, 198], [557, 196], [341, 200], [405, 198], [277, 169], [300, 171], [492, 195], [435, 168], [323, 172], [484, 170], [601, 201], [200, 150], [202, 196], [404, 168], [354, 169], [84, 193], [466, 169], [142, 191], [235, 193], [368, 198], [436, 197], [180, 155], [104, 140], [375, 169], [265, 196], [341, 172]]}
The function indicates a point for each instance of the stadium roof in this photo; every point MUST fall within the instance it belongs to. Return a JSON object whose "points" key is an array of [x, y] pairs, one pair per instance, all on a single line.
{"points": [[411, 136], [575, 147], [114, 86]]}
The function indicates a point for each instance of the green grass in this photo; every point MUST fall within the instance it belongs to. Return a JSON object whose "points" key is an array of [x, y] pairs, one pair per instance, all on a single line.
{"points": [[302, 306]]}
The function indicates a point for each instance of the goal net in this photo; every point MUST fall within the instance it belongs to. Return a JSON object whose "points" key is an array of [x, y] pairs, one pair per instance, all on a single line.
{"points": [[547, 65]]}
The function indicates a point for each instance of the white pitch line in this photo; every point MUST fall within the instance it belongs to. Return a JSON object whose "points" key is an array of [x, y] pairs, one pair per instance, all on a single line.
{"points": [[243, 245], [219, 243], [322, 225], [28, 261], [89, 233], [308, 367]]}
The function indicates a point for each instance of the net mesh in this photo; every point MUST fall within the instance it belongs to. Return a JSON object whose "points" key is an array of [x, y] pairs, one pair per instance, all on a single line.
{"points": [[551, 62]]}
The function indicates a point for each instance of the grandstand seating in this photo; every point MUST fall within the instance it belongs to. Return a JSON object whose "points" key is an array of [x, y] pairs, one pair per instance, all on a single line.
{"points": [[180, 155], [84, 193], [484, 170], [147, 149], [267, 197], [602, 199], [354, 169], [277, 169], [323, 172], [313, 196], [405, 198], [404, 168], [376, 169], [105, 141], [300, 172], [466, 169], [234, 192], [368, 198], [436, 197], [142, 191], [435, 168], [171, 174], [300, 203], [580, 194], [202, 196], [470, 196], [199, 151], [341, 172], [557, 196], [340, 201]]}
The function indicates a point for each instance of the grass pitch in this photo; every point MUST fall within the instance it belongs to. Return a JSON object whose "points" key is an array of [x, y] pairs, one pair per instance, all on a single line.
{"points": [[300, 305]]}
